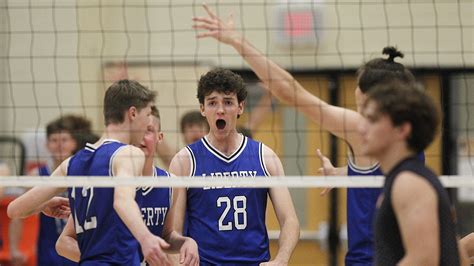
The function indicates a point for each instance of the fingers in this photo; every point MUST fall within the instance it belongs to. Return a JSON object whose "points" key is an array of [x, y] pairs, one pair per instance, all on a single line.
{"points": [[325, 191], [319, 154], [209, 12], [202, 26], [207, 34], [203, 20], [163, 244]]}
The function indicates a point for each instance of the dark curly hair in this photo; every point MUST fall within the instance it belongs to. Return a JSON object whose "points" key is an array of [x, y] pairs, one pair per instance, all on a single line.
{"points": [[381, 70], [221, 80], [408, 103]]}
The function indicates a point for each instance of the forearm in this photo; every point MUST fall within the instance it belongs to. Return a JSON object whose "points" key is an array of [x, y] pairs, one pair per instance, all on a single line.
{"points": [[130, 214], [289, 236], [14, 234], [32, 202], [67, 247]]}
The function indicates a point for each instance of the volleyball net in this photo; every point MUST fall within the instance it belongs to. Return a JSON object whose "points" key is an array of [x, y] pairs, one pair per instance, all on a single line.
{"points": [[58, 58]]}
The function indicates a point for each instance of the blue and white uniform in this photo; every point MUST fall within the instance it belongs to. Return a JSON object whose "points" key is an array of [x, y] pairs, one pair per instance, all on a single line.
{"points": [[361, 208], [228, 223], [102, 236], [154, 204], [49, 231]]}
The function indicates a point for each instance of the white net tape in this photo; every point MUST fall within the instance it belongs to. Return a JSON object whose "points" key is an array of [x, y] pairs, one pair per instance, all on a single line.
{"points": [[286, 181]]}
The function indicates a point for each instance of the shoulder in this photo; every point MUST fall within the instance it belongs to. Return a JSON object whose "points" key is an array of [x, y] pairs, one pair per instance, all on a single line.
{"points": [[409, 186], [127, 156], [181, 163], [129, 152], [271, 161]]}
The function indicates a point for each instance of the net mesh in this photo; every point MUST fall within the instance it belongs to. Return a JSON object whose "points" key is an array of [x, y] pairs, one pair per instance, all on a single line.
{"points": [[58, 58]]}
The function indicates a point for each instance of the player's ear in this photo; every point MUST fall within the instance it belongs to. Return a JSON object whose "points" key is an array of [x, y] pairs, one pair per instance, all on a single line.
{"points": [[241, 107], [132, 112], [159, 137], [201, 107], [405, 130]]}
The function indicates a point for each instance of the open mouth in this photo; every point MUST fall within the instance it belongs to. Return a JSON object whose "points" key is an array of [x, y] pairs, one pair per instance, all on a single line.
{"points": [[220, 124]]}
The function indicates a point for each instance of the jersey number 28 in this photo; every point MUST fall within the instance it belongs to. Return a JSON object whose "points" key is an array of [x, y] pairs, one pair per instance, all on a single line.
{"points": [[239, 204]]}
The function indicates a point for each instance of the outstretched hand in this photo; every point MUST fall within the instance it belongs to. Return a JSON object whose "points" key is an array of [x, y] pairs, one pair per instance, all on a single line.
{"points": [[326, 169], [57, 207], [223, 31]]}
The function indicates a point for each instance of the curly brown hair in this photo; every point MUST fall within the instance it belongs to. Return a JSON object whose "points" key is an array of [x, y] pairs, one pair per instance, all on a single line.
{"points": [[408, 103], [221, 80]]}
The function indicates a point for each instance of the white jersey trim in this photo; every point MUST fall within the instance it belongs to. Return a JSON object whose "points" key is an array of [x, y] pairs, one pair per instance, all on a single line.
{"points": [[220, 155], [192, 161], [262, 159], [360, 169]]}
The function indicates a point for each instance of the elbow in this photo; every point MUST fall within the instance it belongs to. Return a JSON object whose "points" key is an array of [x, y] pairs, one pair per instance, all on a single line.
{"points": [[13, 212], [59, 245]]}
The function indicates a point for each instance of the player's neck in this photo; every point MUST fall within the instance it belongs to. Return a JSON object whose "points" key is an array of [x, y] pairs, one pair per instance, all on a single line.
{"points": [[226, 144], [119, 132], [392, 156]]}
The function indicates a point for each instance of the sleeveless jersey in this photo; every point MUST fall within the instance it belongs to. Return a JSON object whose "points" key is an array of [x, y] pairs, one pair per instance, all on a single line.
{"points": [[49, 231], [228, 223], [361, 208], [102, 236], [389, 248], [155, 203]]}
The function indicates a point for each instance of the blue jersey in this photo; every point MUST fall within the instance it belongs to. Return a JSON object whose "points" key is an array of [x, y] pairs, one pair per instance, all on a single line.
{"points": [[49, 231], [102, 236], [361, 207], [228, 223], [154, 205]]}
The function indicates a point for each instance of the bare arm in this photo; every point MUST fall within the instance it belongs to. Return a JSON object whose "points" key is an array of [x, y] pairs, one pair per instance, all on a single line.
{"points": [[467, 243], [415, 205], [173, 228], [66, 245], [284, 209], [261, 110], [36, 199], [339, 121], [129, 162], [15, 230]]}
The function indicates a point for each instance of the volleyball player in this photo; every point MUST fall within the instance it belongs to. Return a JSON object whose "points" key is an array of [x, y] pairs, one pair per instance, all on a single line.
{"points": [[154, 203], [64, 136], [339, 121], [107, 221], [414, 223], [228, 223]]}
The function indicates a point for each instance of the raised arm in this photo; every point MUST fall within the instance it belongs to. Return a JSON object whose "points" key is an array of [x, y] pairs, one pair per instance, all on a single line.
{"points": [[129, 162], [284, 210], [173, 228], [38, 199], [339, 121]]}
